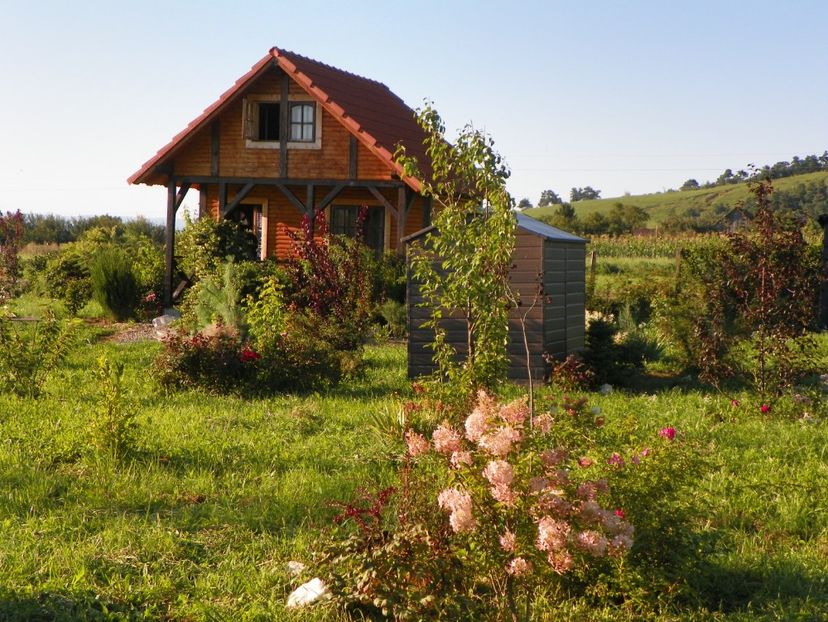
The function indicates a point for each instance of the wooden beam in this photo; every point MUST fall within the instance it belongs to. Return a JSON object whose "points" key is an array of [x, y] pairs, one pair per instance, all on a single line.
{"points": [[292, 198], [182, 192], [229, 207], [379, 196], [215, 138], [353, 154], [275, 181], [169, 243], [284, 126], [328, 198]]}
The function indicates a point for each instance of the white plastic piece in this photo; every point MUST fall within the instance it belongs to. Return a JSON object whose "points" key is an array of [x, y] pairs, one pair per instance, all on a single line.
{"points": [[308, 593]]}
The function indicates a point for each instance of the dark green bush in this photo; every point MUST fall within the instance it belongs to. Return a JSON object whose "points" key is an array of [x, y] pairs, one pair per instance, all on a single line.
{"points": [[114, 285], [68, 279]]}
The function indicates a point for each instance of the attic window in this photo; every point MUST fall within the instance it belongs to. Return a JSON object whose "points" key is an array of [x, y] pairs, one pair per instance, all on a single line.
{"points": [[268, 121], [302, 122]]}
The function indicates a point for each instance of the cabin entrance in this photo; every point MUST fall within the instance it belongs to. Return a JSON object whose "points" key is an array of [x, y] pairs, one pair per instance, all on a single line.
{"points": [[249, 216]]}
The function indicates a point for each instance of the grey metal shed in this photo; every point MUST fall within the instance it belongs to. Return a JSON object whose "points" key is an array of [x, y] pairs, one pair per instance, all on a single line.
{"points": [[554, 325]]}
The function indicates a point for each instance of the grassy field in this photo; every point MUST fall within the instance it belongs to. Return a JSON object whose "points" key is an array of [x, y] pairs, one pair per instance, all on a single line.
{"points": [[199, 524], [661, 204]]}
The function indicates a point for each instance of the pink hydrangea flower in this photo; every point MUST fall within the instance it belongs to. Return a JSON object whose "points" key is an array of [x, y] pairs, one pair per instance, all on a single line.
{"points": [[499, 443], [543, 423], [503, 494], [508, 541], [499, 473], [518, 567], [460, 458], [552, 534], [561, 561], [592, 542], [734, 403], [446, 440], [515, 412], [417, 443], [459, 503], [476, 425], [587, 491], [538, 484], [669, 433]]}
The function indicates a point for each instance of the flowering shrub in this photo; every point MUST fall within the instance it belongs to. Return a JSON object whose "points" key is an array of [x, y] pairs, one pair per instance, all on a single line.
{"points": [[571, 374], [517, 510], [213, 362]]}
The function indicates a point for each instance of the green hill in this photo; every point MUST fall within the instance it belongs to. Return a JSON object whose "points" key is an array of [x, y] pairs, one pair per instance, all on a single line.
{"points": [[660, 205]]}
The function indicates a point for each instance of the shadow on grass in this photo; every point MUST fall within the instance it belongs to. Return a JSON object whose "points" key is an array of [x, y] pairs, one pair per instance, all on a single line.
{"points": [[730, 587], [66, 607]]}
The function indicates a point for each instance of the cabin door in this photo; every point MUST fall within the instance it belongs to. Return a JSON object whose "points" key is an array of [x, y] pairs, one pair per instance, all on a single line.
{"points": [[249, 215]]}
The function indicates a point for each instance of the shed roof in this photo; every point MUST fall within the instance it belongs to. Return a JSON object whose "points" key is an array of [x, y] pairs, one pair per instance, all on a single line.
{"points": [[527, 223], [367, 108]]}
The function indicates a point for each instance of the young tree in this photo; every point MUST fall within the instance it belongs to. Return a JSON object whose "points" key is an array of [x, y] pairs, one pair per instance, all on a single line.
{"points": [[525, 204], [472, 243]]}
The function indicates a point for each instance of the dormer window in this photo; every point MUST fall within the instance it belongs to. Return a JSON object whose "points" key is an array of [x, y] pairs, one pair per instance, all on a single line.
{"points": [[302, 122]]}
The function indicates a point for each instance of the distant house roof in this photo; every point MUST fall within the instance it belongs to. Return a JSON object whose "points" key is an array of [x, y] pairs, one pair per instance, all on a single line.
{"points": [[367, 108], [527, 223]]}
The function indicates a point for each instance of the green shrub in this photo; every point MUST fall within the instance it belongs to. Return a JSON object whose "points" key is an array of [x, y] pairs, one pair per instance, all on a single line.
{"points": [[114, 285], [395, 316], [219, 298], [114, 428], [30, 352], [68, 279], [215, 362], [204, 243]]}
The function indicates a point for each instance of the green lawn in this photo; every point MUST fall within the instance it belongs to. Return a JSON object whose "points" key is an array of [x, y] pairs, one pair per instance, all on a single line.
{"points": [[224, 491]]}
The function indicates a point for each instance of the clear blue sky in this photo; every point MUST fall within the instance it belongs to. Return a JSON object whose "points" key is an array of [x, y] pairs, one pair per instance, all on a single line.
{"points": [[625, 97]]}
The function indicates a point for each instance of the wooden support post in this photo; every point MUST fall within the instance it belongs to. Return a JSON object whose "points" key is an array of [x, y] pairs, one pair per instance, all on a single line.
{"points": [[292, 198], [328, 198], [403, 205], [222, 190], [170, 243], [309, 207], [284, 126], [379, 197]]}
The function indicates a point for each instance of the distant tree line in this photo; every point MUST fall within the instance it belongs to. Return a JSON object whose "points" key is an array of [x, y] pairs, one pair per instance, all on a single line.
{"points": [[797, 166], [622, 218], [54, 229], [804, 201]]}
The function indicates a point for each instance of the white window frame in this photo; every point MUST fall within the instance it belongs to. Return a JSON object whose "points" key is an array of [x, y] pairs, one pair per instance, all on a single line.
{"points": [[250, 122]]}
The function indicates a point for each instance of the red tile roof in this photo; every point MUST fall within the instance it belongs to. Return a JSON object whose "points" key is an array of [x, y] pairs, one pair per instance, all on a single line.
{"points": [[367, 108]]}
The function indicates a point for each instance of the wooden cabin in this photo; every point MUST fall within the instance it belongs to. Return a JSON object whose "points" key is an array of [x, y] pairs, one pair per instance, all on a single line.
{"points": [[294, 137], [543, 255]]}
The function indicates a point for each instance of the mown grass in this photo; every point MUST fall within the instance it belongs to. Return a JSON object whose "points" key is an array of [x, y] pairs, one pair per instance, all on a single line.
{"points": [[661, 204], [199, 523]]}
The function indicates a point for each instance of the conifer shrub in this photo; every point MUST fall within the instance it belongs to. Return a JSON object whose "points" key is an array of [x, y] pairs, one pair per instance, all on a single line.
{"points": [[114, 285]]}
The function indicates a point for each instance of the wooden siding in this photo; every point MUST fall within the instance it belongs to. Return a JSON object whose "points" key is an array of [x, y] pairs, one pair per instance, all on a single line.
{"points": [[564, 297], [554, 320], [330, 161]]}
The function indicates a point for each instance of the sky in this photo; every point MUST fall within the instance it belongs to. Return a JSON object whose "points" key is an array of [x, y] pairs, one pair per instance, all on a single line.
{"points": [[622, 96]]}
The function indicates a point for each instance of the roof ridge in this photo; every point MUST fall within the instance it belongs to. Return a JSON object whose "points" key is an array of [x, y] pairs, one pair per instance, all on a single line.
{"points": [[279, 52]]}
